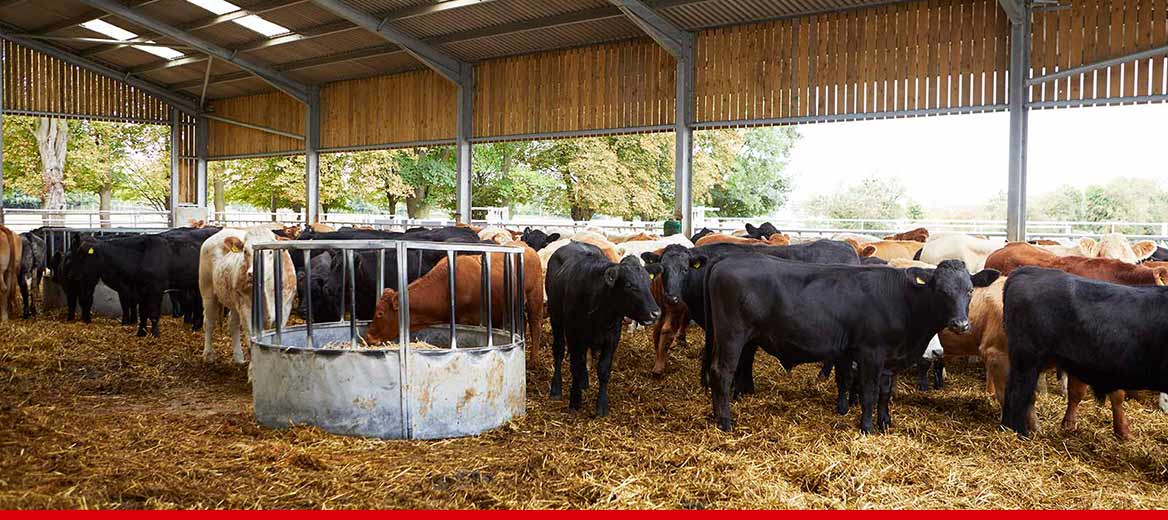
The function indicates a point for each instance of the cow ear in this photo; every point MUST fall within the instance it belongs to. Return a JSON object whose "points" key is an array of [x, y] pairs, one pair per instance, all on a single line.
{"points": [[1143, 249], [650, 257], [1089, 247], [868, 251], [697, 260], [654, 270], [1161, 275], [919, 277], [751, 229], [527, 230], [553, 237], [610, 275], [985, 277]]}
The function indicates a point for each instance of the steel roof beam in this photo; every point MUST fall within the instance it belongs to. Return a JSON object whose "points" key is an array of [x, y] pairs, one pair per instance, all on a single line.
{"points": [[1014, 9], [287, 85], [210, 21], [310, 33], [175, 99], [448, 66], [677, 41]]}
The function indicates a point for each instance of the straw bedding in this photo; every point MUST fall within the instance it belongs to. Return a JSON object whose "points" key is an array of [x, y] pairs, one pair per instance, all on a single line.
{"points": [[91, 417]]}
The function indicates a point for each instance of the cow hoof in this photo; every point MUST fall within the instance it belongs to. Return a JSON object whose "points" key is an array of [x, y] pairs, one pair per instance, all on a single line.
{"points": [[725, 424], [883, 425], [141, 333], [841, 408], [1070, 425], [602, 412]]}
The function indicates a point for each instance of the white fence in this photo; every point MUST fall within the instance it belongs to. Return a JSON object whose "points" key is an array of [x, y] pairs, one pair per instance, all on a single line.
{"points": [[26, 219]]}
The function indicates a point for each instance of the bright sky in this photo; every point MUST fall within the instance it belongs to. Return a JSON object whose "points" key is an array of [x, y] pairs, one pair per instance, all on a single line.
{"points": [[960, 161]]}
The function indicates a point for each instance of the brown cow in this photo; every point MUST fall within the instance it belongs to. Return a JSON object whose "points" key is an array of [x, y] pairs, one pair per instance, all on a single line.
{"points": [[1020, 254], [642, 236], [889, 249], [430, 298], [777, 239], [916, 235], [10, 250], [670, 327]]}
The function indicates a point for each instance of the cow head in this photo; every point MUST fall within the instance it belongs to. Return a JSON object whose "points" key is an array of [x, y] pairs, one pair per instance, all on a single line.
{"points": [[672, 265], [1117, 246], [952, 286], [627, 284], [778, 239], [537, 239], [701, 233], [84, 261], [1161, 274], [386, 319], [762, 232]]}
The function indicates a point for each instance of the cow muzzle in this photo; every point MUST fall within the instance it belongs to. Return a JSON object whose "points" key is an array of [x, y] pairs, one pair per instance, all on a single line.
{"points": [[652, 318], [959, 326], [672, 300]]}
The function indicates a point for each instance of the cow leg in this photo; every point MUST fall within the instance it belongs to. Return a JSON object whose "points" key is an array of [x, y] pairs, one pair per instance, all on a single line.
{"points": [[142, 323], [1076, 391], [70, 305], [883, 414], [843, 383], [603, 373], [177, 306], [997, 370], [22, 282], [209, 327], [557, 390], [534, 327], [869, 378], [939, 374], [197, 315], [579, 366], [1019, 401], [667, 330], [241, 326], [722, 371], [923, 375], [1119, 424], [825, 371], [744, 374], [1164, 403], [127, 309], [153, 309], [86, 301]]}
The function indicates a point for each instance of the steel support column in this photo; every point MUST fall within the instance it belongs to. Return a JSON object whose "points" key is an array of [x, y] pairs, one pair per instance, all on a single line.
{"points": [[312, 158], [464, 149], [174, 162], [201, 136], [683, 144], [2, 65], [1019, 122]]}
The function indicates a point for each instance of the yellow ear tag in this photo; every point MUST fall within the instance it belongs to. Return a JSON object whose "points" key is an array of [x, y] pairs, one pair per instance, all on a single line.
{"points": [[920, 281], [652, 276], [90, 252], [696, 265], [234, 249]]}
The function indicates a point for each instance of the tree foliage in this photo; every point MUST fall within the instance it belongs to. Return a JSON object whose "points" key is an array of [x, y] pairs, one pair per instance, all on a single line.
{"points": [[873, 197]]}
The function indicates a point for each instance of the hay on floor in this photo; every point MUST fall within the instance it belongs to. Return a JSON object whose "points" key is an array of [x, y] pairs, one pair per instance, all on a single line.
{"points": [[93, 417]]}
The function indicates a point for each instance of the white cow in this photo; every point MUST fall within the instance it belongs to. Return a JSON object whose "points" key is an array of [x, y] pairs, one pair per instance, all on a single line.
{"points": [[225, 280], [957, 246], [861, 239], [1113, 245], [496, 234]]}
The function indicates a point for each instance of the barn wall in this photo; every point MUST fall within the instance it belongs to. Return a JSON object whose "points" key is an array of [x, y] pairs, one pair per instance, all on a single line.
{"points": [[384, 110], [615, 85], [36, 83], [274, 110], [1095, 30], [187, 162]]}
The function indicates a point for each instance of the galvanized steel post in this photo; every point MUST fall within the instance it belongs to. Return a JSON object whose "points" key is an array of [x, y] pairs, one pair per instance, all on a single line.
{"points": [[312, 158], [464, 150], [175, 144], [1019, 116], [201, 154]]}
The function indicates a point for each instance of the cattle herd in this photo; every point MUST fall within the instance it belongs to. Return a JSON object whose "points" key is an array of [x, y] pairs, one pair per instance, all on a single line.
{"points": [[861, 307]]}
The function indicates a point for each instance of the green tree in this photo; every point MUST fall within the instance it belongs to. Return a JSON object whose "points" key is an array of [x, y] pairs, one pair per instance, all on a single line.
{"points": [[872, 198], [22, 162], [756, 184]]}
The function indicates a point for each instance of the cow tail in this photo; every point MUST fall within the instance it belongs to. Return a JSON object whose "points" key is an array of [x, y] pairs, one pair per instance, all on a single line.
{"points": [[708, 346]]}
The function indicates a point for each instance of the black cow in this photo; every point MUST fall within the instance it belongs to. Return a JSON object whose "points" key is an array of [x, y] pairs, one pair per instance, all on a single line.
{"points": [[588, 298], [32, 270], [872, 260], [701, 233], [137, 267], [762, 232], [1111, 337], [1159, 255], [690, 266], [537, 239], [186, 243], [880, 318]]}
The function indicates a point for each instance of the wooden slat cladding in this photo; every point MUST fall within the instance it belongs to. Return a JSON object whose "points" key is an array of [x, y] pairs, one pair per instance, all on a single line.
{"points": [[187, 163], [925, 55], [36, 83], [274, 110], [388, 110], [617, 85], [1093, 30]]}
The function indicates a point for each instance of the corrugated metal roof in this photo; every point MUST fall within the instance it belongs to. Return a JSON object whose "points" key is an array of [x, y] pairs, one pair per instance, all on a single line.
{"points": [[330, 49]]}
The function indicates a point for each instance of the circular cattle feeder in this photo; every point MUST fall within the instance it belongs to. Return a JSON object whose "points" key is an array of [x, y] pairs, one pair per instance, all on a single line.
{"points": [[442, 381]]}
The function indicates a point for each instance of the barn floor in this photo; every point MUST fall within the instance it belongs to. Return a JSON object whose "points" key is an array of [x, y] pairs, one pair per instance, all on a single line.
{"points": [[91, 417]]}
